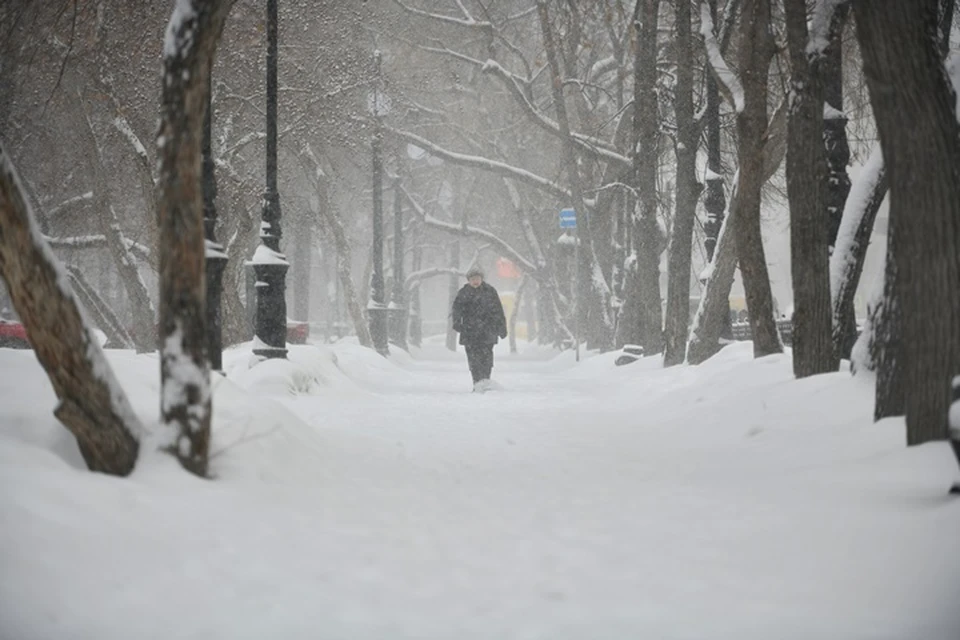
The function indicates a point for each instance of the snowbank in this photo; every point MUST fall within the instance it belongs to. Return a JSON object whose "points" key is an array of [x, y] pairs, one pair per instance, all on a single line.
{"points": [[361, 497]]}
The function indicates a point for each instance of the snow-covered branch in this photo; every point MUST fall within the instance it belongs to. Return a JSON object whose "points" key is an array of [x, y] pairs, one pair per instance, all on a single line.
{"points": [[121, 125], [98, 241], [478, 162], [591, 145], [821, 22], [726, 78], [69, 202], [412, 281], [466, 230], [468, 21]]}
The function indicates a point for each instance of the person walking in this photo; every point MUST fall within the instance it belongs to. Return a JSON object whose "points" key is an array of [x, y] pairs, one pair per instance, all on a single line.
{"points": [[479, 319]]}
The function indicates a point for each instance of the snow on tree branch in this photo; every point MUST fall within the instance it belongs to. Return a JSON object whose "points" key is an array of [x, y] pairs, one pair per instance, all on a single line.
{"points": [[478, 162], [460, 22], [726, 78], [413, 280], [69, 202], [459, 229], [821, 22], [97, 241], [859, 200], [121, 124], [591, 145]]}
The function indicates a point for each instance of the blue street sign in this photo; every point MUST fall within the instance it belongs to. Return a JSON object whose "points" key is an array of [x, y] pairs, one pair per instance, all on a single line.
{"points": [[568, 219]]}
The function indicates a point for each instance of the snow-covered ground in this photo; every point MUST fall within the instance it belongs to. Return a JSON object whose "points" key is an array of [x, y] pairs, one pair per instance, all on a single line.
{"points": [[361, 498]]}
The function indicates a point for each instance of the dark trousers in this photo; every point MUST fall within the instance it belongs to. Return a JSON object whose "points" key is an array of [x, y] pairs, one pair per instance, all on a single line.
{"points": [[480, 360]]}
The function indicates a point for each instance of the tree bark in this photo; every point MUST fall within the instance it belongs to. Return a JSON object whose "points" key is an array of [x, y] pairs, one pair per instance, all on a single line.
{"points": [[104, 317], [850, 249], [813, 351], [453, 286], [688, 191], [713, 314], [914, 105], [143, 331], [186, 410], [715, 202], [836, 182], [756, 50], [92, 405], [712, 321], [641, 318]]}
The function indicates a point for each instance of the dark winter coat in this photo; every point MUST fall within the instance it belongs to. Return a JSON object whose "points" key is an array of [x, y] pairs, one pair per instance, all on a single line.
{"points": [[478, 315]]}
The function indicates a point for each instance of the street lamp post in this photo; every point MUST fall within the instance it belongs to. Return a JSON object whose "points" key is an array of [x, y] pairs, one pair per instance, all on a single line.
{"points": [[377, 308], [269, 264], [398, 303], [215, 258]]}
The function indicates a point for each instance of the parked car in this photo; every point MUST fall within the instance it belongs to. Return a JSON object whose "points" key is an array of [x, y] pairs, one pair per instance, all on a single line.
{"points": [[13, 335], [297, 331]]}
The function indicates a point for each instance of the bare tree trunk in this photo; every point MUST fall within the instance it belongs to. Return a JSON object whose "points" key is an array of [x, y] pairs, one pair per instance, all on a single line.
{"points": [[92, 405], [715, 202], [806, 167], [886, 350], [641, 317], [688, 191], [415, 328], [515, 313], [593, 294], [452, 289], [345, 269], [756, 50], [914, 105], [545, 277], [235, 326], [104, 317], [850, 249], [191, 41], [712, 321], [836, 182], [713, 314], [144, 332]]}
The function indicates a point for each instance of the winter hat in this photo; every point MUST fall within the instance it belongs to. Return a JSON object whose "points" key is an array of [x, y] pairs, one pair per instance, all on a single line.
{"points": [[474, 271]]}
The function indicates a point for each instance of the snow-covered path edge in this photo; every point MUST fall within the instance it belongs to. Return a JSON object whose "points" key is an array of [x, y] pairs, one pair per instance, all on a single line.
{"points": [[384, 500]]}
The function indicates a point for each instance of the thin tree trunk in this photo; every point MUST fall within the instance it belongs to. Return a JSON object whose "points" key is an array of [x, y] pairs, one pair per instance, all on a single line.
{"points": [[850, 251], [92, 405], [836, 182], [104, 317], [416, 317], [593, 293], [713, 314], [886, 347], [711, 326], [143, 330], [452, 289], [714, 202], [756, 50], [641, 316], [515, 313], [913, 103], [813, 351], [688, 191], [547, 286], [186, 409]]}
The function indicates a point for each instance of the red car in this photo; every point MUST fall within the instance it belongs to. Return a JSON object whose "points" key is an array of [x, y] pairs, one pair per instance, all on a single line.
{"points": [[297, 331], [13, 335]]}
